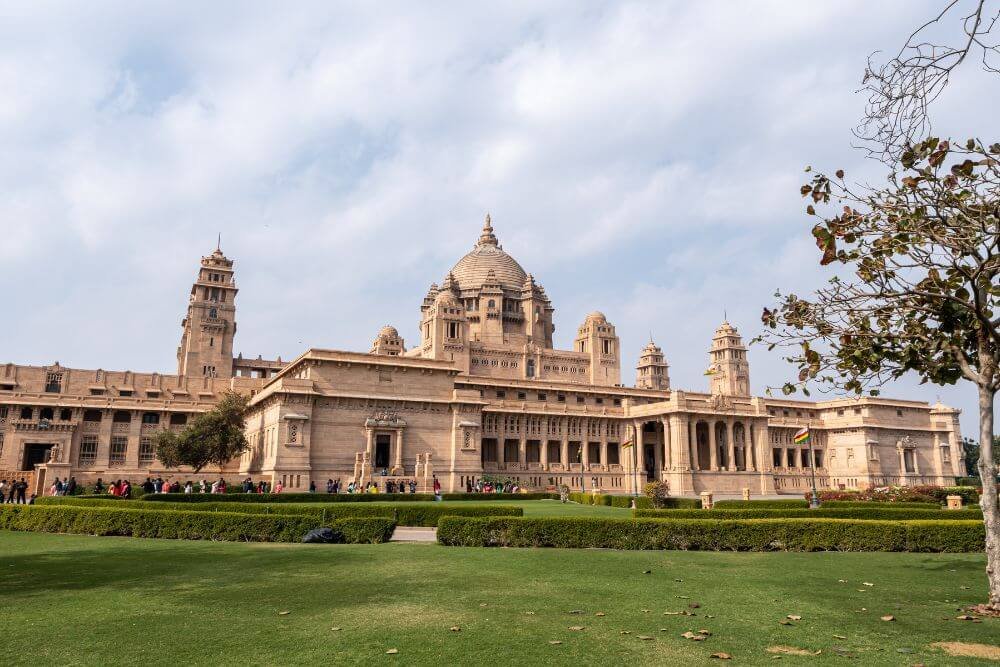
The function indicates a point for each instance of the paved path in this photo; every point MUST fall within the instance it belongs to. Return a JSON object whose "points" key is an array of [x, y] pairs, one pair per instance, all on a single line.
{"points": [[408, 534]]}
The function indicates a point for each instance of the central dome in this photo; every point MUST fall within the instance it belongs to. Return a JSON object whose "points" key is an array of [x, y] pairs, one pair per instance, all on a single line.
{"points": [[471, 271]]}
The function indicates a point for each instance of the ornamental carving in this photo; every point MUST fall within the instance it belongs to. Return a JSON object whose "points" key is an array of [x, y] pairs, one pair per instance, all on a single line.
{"points": [[384, 419]]}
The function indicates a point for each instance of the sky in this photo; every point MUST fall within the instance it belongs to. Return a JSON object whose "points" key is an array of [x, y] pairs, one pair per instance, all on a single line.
{"points": [[642, 159]]}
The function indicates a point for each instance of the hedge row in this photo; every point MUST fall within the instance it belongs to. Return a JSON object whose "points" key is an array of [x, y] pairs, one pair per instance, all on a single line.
{"points": [[641, 502], [338, 497], [864, 513], [789, 503], [422, 514], [186, 525], [875, 503], [715, 535]]}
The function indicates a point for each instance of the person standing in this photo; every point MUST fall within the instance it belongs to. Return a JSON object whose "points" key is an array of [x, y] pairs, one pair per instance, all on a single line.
{"points": [[437, 488], [22, 488], [70, 487]]}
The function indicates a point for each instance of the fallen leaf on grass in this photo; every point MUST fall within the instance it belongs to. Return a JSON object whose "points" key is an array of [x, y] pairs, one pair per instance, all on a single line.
{"points": [[284, 613], [336, 629], [647, 571], [575, 628], [791, 650], [554, 641], [705, 632], [684, 597], [625, 632], [576, 611], [721, 656], [645, 611], [785, 621], [970, 650], [888, 617], [645, 637], [793, 617], [966, 617], [600, 613], [867, 583], [674, 613], [392, 651], [482, 604], [455, 628], [529, 613], [839, 637]]}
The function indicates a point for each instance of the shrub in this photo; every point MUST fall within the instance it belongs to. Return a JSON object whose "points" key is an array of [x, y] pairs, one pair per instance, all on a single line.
{"points": [[186, 525], [423, 514], [657, 492], [641, 502], [338, 497], [715, 535], [890, 506], [762, 504], [864, 513]]}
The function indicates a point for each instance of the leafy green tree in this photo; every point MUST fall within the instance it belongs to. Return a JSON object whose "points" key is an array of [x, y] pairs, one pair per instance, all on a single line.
{"points": [[970, 451], [916, 289], [213, 437]]}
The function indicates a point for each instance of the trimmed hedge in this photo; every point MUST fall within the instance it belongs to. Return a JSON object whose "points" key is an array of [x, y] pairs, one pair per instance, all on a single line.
{"points": [[641, 502], [422, 514], [876, 504], [864, 513], [715, 535], [790, 503], [338, 497], [186, 525]]}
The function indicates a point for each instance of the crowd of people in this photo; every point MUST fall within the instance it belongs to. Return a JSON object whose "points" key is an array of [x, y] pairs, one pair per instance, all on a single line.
{"points": [[14, 492]]}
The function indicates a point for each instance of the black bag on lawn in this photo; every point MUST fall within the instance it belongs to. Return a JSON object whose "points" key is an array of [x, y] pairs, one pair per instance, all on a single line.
{"points": [[321, 536]]}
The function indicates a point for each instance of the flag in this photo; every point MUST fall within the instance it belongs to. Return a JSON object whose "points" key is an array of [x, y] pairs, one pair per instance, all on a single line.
{"points": [[710, 371], [626, 444], [802, 436]]}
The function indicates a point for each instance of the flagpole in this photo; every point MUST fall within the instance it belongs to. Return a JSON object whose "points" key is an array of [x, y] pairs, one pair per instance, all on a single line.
{"points": [[814, 501]]}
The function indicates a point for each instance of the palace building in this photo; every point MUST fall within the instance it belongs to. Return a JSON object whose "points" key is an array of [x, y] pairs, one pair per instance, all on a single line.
{"points": [[481, 392]]}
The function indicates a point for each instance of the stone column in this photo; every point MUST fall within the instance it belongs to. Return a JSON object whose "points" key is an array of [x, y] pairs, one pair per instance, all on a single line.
{"points": [[543, 454], [680, 454], [369, 441], [712, 447], [604, 453], [522, 449], [730, 445], [564, 450], [668, 436], [640, 454], [399, 450], [693, 443]]}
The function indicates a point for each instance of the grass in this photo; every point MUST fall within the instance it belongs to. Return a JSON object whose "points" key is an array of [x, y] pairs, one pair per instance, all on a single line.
{"points": [[89, 600], [532, 508]]}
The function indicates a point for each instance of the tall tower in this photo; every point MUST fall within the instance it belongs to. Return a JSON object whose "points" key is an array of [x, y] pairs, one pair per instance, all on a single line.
{"points": [[597, 338], [729, 368], [652, 371], [206, 348]]}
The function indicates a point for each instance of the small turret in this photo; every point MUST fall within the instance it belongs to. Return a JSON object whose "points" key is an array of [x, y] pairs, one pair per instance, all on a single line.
{"points": [[652, 371], [729, 368]]}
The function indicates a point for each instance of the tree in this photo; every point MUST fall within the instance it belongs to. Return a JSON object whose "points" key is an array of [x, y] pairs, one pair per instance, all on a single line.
{"points": [[213, 437], [970, 451], [901, 89], [924, 297]]}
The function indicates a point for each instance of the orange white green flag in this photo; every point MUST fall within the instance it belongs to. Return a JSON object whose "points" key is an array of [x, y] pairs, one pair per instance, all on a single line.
{"points": [[802, 436]]}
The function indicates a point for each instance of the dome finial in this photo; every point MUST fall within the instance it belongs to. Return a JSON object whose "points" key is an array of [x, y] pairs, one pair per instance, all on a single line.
{"points": [[487, 237]]}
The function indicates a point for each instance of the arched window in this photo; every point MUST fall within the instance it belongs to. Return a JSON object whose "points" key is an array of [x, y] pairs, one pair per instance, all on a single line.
{"points": [[491, 304], [150, 418], [213, 312], [92, 415]]}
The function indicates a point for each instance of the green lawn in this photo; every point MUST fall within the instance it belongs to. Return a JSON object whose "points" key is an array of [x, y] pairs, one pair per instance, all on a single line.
{"points": [[90, 600], [533, 508]]}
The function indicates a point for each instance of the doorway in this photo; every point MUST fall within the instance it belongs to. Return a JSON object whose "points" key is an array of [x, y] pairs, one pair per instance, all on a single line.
{"points": [[649, 461], [382, 445], [35, 453]]}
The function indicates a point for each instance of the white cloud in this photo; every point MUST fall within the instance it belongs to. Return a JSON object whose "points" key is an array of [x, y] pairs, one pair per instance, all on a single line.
{"points": [[638, 157]]}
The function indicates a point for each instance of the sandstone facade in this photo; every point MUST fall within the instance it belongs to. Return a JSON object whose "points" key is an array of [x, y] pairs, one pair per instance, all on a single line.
{"points": [[483, 393]]}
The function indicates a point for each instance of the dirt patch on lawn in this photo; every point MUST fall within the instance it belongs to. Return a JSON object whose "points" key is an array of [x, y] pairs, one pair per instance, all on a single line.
{"points": [[967, 650], [791, 650]]}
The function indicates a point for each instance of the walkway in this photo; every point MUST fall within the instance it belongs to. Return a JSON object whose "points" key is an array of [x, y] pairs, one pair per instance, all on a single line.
{"points": [[413, 534]]}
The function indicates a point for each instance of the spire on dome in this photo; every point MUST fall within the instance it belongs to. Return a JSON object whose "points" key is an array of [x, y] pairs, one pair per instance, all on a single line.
{"points": [[487, 237]]}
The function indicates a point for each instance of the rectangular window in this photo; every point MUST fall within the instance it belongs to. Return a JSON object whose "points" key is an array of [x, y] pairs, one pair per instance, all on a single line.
{"points": [[1, 444], [946, 454], [555, 451], [599, 400], [521, 396], [805, 458], [543, 397], [791, 458], [533, 452], [489, 450], [909, 460], [88, 449], [146, 451], [510, 451], [607, 347], [501, 394], [613, 454], [581, 399], [776, 457], [119, 445], [96, 392], [618, 401], [53, 383], [125, 392], [594, 452], [818, 455]]}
